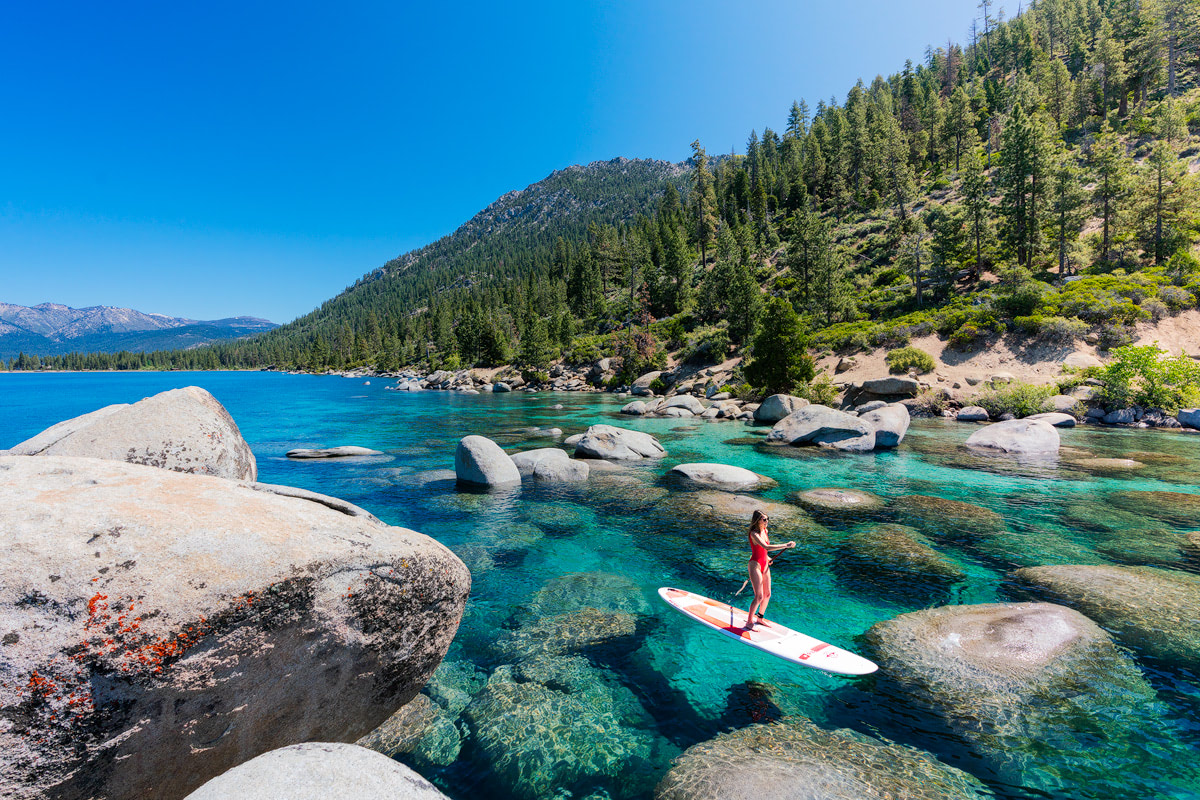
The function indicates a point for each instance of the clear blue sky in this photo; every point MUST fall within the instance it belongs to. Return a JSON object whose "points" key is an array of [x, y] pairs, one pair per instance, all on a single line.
{"points": [[216, 159]]}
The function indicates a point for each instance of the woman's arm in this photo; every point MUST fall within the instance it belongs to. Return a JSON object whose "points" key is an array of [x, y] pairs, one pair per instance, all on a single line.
{"points": [[785, 546]]}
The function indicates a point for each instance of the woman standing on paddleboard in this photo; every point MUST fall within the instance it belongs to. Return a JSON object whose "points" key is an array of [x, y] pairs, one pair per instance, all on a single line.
{"points": [[760, 566]]}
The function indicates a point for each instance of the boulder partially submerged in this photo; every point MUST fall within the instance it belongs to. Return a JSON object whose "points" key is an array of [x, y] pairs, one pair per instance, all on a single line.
{"points": [[343, 451], [481, 462], [1016, 436], [185, 430], [838, 502], [550, 464], [319, 771], [890, 423], [795, 760], [721, 476], [778, 406], [823, 426], [617, 444], [162, 628]]}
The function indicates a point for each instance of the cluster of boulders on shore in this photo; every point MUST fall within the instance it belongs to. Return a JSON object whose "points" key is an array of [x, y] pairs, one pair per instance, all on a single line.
{"points": [[690, 392], [165, 618]]}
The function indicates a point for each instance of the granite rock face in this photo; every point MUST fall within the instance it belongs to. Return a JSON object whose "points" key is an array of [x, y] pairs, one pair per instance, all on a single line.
{"points": [[851, 503], [319, 771], [185, 430], [1150, 610], [795, 760], [901, 551], [984, 673], [617, 444], [162, 628], [480, 461]]}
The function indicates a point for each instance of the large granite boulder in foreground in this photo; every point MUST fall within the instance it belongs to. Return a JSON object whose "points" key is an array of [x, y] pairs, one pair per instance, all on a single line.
{"points": [[480, 461], [824, 426], [185, 430], [617, 444], [319, 771], [796, 760], [1038, 691], [1016, 436], [1154, 611], [1176, 508], [159, 629]]}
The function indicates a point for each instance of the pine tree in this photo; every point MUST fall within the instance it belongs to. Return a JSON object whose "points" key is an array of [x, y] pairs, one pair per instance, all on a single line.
{"points": [[960, 122], [1111, 170], [704, 201], [1169, 203], [745, 301], [1021, 178], [976, 193], [1066, 203], [780, 362]]}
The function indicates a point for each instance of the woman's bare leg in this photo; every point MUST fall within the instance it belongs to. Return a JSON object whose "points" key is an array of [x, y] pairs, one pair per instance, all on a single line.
{"points": [[756, 581], [766, 592]]}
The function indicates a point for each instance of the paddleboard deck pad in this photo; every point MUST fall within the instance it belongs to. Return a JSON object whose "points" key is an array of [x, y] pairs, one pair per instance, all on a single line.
{"points": [[768, 636]]}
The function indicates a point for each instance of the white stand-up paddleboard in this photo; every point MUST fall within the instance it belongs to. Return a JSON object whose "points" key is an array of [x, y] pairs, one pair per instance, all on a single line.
{"points": [[770, 637]]}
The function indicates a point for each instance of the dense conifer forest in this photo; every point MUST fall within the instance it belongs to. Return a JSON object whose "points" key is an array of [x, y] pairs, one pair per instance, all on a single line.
{"points": [[1039, 179]]}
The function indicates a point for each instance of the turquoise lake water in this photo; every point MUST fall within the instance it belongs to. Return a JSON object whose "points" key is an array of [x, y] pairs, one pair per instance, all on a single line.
{"points": [[615, 539]]}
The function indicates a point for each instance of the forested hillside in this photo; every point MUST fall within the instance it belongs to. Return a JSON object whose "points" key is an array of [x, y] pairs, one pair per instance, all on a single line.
{"points": [[1038, 179]]}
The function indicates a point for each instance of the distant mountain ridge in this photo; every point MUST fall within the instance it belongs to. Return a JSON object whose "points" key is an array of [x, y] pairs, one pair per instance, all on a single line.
{"points": [[54, 329]]}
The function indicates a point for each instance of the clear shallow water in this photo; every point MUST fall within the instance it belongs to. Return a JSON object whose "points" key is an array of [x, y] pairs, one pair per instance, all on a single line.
{"points": [[666, 684]]}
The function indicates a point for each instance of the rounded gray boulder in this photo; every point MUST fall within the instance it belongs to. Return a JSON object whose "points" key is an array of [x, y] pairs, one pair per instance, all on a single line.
{"points": [[319, 771], [480, 461], [1016, 436], [778, 406], [890, 423], [721, 476], [186, 623], [550, 464], [823, 426], [344, 451], [185, 430], [617, 444]]}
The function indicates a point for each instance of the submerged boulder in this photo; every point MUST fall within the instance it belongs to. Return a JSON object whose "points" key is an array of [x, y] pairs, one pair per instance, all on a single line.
{"points": [[560, 722], [617, 444], [824, 426], [778, 406], [480, 461], [951, 520], [1153, 611], [1017, 436], [840, 502], [735, 509], [1176, 508], [987, 673], [318, 771], [721, 476], [899, 550], [890, 423], [550, 464], [185, 430], [181, 624], [795, 760]]}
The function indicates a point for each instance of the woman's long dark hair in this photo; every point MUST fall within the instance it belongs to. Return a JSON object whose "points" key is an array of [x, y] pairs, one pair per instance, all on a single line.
{"points": [[757, 519]]}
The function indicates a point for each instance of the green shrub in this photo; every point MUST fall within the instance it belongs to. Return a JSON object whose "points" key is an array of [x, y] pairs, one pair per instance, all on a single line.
{"points": [[966, 335], [820, 391], [1016, 398], [1060, 330], [899, 361], [1176, 298], [929, 402], [658, 386], [1116, 335], [1148, 377], [710, 347], [535, 376]]}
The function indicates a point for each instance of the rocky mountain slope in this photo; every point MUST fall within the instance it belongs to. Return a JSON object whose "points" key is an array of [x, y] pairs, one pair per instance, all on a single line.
{"points": [[53, 328]]}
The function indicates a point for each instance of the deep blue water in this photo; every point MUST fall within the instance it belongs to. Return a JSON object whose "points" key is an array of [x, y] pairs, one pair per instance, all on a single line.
{"points": [[675, 684]]}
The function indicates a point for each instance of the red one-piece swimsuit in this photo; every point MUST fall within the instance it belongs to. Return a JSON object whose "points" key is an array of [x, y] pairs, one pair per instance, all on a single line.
{"points": [[758, 553]]}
